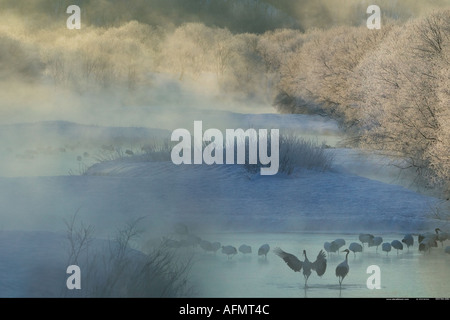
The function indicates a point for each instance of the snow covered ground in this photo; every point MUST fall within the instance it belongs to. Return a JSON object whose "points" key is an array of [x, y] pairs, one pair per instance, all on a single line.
{"points": [[295, 212]]}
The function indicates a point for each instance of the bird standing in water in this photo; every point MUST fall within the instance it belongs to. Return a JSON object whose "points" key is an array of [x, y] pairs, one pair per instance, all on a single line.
{"points": [[386, 247], [355, 247], [375, 242], [230, 251], [320, 265], [365, 238], [343, 268], [408, 239], [396, 244], [263, 250]]}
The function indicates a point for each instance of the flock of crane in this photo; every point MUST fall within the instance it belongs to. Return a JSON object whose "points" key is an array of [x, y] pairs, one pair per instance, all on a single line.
{"points": [[426, 241]]}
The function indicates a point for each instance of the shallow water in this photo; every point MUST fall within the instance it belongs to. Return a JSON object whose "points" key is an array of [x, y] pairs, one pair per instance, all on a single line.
{"points": [[406, 274]]}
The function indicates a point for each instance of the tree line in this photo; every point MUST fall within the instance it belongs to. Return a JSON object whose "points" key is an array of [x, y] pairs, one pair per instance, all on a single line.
{"points": [[388, 88]]}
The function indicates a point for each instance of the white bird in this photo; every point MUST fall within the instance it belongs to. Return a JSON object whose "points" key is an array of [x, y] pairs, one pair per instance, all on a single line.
{"points": [[355, 247], [365, 238], [343, 268], [230, 251], [386, 247], [245, 249], [375, 242], [263, 250], [397, 245], [320, 265], [408, 239]]}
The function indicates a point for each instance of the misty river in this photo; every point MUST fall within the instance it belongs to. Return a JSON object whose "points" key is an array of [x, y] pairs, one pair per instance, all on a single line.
{"points": [[409, 273]]}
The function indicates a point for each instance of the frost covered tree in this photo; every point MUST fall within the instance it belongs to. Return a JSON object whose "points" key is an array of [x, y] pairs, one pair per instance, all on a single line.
{"points": [[318, 77], [404, 85], [185, 50]]}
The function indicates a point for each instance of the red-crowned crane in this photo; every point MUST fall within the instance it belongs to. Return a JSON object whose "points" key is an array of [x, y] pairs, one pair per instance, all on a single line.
{"points": [[365, 238], [343, 268], [397, 245], [375, 242], [263, 250], [408, 240], [320, 265], [355, 247], [428, 240], [442, 236], [245, 249], [339, 243], [230, 251], [386, 247]]}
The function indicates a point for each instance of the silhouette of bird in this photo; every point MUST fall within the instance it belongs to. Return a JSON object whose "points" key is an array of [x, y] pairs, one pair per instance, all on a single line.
{"points": [[365, 238], [355, 247], [245, 249], [442, 236], [430, 235], [331, 247], [427, 243], [263, 250], [230, 251], [335, 245], [375, 242], [216, 246], [320, 265], [386, 247], [206, 245], [428, 240], [190, 240], [343, 268], [339, 243], [327, 247], [397, 245], [408, 239], [210, 247]]}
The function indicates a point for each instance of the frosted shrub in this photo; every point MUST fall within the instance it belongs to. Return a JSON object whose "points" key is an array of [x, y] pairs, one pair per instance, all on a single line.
{"points": [[115, 269], [298, 152]]}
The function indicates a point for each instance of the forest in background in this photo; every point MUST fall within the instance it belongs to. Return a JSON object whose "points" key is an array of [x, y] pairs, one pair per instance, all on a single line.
{"points": [[388, 88]]}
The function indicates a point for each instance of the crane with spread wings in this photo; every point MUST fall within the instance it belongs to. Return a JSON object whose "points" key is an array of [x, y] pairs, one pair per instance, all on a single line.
{"points": [[319, 266]]}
